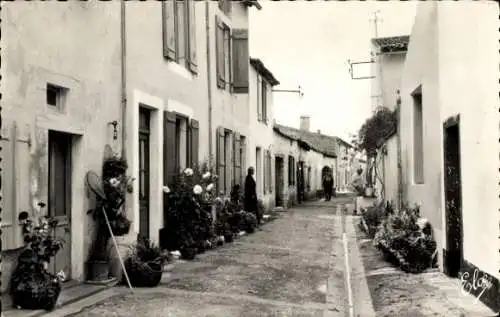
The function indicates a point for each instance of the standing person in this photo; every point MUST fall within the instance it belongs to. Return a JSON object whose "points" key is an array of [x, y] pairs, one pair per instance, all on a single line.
{"points": [[328, 186], [357, 182], [250, 202]]}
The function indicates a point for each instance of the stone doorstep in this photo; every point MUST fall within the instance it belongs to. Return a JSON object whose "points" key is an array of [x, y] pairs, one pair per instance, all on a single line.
{"points": [[68, 296]]}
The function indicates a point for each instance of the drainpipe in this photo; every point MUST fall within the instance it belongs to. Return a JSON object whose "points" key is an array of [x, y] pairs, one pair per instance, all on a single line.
{"points": [[123, 78], [209, 79]]}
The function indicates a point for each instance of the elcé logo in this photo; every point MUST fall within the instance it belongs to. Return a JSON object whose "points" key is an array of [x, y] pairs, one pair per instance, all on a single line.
{"points": [[474, 284]]}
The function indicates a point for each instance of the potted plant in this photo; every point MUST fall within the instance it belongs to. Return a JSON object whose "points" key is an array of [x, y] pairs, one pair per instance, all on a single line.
{"points": [[32, 285], [145, 263], [115, 185]]}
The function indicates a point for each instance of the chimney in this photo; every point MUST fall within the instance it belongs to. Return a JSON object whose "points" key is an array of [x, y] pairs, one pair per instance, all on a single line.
{"points": [[319, 131], [305, 123]]}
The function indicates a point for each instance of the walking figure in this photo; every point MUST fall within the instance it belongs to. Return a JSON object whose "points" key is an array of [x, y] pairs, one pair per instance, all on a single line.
{"points": [[250, 202], [328, 186]]}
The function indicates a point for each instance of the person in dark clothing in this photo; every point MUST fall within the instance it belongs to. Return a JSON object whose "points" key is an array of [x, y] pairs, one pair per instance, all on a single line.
{"points": [[250, 202], [328, 186]]}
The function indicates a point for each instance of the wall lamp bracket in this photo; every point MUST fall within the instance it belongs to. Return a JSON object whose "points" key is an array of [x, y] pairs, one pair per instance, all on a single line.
{"points": [[115, 130]]}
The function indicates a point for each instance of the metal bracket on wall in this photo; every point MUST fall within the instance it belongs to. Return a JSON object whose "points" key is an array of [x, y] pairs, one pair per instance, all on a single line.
{"points": [[358, 63]]}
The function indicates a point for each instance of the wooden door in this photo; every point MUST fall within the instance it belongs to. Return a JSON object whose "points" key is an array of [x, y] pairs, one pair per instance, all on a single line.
{"points": [[59, 203], [144, 174], [453, 198]]}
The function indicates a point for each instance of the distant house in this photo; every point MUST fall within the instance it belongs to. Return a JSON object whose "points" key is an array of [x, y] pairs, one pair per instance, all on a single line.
{"points": [[304, 156], [260, 144]]}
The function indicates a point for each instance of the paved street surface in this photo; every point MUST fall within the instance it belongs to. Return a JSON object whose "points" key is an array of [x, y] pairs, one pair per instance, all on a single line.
{"points": [[293, 267]]}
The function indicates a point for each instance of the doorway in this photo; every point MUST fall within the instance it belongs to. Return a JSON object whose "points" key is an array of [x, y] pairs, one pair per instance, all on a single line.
{"points": [[453, 253], [280, 180], [59, 200], [144, 174]]}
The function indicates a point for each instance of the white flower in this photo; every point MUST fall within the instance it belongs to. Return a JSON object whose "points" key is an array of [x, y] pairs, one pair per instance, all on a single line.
{"points": [[210, 187], [114, 182], [206, 175], [188, 172], [197, 189], [61, 276], [166, 190]]}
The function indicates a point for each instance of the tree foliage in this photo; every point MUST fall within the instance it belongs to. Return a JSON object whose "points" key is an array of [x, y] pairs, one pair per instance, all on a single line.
{"points": [[376, 129]]}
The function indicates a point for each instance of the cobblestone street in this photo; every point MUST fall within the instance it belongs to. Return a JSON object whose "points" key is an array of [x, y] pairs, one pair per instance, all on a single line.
{"points": [[293, 267]]}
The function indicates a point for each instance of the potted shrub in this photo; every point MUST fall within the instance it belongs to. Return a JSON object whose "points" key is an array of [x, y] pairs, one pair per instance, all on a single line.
{"points": [[249, 222], [115, 185], [32, 285], [189, 221], [145, 263]]}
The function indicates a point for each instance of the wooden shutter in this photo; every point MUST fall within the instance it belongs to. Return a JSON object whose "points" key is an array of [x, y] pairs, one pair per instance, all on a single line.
{"points": [[228, 149], [259, 98], [194, 143], [168, 22], [237, 159], [270, 172], [240, 60], [264, 100], [221, 161], [243, 157], [219, 48], [169, 153], [192, 63], [11, 231]]}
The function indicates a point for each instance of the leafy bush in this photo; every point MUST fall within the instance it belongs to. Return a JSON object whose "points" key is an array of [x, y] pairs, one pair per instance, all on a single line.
{"points": [[189, 215], [402, 239], [373, 217], [249, 222]]}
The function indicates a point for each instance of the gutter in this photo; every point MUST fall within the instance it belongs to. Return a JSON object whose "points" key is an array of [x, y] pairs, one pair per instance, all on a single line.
{"points": [[123, 78], [209, 80]]}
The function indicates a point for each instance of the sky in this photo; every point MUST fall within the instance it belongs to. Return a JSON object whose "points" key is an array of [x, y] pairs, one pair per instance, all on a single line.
{"points": [[308, 44]]}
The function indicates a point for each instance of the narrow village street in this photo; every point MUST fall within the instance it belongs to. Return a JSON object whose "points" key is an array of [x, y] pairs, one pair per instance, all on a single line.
{"points": [[293, 267]]}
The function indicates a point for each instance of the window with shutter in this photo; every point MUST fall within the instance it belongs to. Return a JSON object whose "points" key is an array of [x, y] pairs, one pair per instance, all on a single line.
{"points": [[264, 100], [240, 60], [194, 142], [179, 33], [221, 160]]}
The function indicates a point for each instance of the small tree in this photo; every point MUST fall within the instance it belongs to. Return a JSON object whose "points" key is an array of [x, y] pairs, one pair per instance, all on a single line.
{"points": [[373, 134]]}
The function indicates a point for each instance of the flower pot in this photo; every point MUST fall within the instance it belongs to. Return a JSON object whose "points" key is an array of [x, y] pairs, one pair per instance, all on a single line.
{"points": [[97, 270], [35, 295], [144, 274]]}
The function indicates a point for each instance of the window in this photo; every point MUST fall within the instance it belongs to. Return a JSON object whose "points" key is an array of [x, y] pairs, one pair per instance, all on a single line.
{"points": [[225, 6], [56, 96], [291, 171], [418, 130], [223, 58], [179, 33], [180, 146], [238, 159], [263, 101]]}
